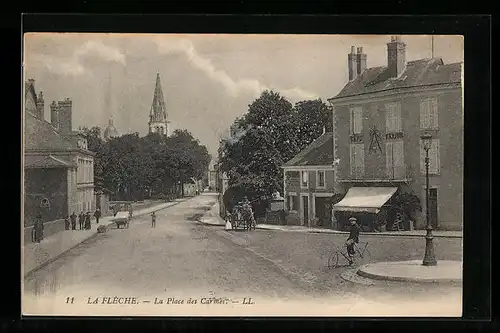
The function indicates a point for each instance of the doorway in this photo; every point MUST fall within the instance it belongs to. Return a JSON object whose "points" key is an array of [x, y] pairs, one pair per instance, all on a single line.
{"points": [[305, 204], [433, 207]]}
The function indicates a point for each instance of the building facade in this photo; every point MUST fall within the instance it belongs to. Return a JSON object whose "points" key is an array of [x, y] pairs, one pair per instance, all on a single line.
{"points": [[308, 184], [58, 167], [158, 116], [379, 118]]}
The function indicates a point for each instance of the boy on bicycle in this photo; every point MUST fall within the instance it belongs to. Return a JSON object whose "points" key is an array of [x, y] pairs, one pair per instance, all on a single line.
{"points": [[353, 238]]}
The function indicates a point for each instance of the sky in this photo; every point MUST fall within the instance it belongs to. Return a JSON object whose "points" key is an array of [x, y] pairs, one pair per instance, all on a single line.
{"points": [[207, 80]]}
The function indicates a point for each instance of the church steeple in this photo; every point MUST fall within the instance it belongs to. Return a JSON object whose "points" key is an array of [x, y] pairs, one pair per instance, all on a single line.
{"points": [[158, 122]]}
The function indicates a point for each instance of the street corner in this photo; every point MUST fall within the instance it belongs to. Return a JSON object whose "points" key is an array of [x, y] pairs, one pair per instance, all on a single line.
{"points": [[351, 275]]}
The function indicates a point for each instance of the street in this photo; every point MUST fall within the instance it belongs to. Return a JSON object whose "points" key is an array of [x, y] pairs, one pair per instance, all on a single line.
{"points": [[282, 273]]}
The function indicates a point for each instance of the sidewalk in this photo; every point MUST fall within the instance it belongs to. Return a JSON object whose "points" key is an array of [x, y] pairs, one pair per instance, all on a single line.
{"points": [[415, 233], [37, 255]]}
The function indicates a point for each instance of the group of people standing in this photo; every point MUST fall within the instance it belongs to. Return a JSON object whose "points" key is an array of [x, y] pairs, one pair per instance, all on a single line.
{"points": [[84, 220]]}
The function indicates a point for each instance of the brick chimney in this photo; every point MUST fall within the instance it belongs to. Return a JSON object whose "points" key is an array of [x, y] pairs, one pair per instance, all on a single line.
{"points": [[361, 61], [396, 56], [65, 116], [352, 60], [40, 106], [54, 115]]}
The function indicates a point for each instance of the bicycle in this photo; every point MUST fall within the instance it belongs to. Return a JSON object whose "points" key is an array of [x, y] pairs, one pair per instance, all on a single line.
{"points": [[340, 258]]}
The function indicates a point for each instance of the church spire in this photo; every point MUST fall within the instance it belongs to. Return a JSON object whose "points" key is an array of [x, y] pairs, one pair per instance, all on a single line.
{"points": [[158, 122]]}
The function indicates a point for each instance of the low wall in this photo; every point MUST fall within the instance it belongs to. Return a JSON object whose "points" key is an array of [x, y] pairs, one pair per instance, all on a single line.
{"points": [[49, 229]]}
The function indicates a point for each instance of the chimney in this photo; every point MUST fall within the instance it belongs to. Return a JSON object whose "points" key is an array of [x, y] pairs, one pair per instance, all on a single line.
{"points": [[54, 115], [65, 115], [361, 60], [40, 106], [352, 60], [396, 56]]}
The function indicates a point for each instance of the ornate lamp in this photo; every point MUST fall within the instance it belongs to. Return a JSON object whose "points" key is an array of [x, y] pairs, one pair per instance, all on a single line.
{"points": [[430, 257]]}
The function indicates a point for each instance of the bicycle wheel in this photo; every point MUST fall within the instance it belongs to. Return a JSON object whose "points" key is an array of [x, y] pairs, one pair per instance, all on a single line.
{"points": [[338, 259]]}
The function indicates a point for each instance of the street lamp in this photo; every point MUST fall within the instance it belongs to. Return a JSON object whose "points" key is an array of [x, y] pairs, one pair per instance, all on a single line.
{"points": [[430, 257]]}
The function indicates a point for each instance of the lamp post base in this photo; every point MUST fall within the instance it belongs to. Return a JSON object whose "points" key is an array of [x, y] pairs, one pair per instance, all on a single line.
{"points": [[430, 257]]}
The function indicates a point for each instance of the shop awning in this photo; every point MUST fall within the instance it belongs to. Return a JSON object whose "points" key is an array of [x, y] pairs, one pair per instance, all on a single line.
{"points": [[365, 199]]}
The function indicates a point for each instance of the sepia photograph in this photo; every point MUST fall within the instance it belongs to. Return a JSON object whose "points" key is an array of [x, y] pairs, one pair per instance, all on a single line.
{"points": [[184, 175]]}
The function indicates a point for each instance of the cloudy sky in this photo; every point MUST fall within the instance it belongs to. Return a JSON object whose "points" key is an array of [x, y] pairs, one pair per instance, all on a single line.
{"points": [[207, 80]]}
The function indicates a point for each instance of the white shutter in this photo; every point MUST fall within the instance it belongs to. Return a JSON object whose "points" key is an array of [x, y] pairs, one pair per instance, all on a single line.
{"points": [[388, 158], [351, 120], [399, 159], [361, 159], [433, 113], [359, 120], [397, 118], [422, 158], [352, 151], [388, 120], [434, 157], [424, 113]]}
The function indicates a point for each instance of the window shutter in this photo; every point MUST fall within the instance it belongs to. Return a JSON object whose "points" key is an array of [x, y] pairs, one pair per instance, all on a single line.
{"points": [[399, 161], [388, 158], [424, 113], [422, 157], [397, 115], [352, 153], [433, 123], [360, 165]]}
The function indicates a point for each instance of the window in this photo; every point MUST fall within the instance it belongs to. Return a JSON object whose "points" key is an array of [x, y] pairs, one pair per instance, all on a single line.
{"points": [[357, 160], [393, 118], [429, 113], [304, 179], [356, 115], [395, 160], [434, 159], [320, 178]]}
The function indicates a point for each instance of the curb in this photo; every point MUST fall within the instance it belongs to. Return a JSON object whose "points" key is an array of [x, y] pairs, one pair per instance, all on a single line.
{"points": [[51, 260], [367, 275], [362, 233], [351, 275]]}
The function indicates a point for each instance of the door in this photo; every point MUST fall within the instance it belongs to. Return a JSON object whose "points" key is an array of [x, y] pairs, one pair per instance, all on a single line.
{"points": [[305, 202], [433, 207]]}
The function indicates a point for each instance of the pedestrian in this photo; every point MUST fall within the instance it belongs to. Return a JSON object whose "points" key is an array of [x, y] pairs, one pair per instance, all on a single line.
{"points": [[73, 221], [97, 215], [38, 229], [66, 223], [353, 238], [81, 219], [153, 220], [87, 221]]}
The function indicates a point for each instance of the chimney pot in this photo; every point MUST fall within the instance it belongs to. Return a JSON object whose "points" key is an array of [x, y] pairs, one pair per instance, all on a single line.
{"points": [[353, 49], [360, 50]]}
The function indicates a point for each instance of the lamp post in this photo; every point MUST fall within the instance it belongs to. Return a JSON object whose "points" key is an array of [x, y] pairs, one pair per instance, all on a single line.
{"points": [[430, 257]]}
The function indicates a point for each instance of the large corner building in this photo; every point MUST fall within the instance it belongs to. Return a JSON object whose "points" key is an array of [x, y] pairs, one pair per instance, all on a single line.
{"points": [[379, 118], [58, 167]]}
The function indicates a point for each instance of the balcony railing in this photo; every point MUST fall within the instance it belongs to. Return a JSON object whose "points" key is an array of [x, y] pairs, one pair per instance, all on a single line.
{"points": [[394, 135], [356, 138]]}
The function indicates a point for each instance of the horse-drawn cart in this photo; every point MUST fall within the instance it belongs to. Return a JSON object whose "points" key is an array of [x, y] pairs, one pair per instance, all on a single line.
{"points": [[242, 219], [122, 219]]}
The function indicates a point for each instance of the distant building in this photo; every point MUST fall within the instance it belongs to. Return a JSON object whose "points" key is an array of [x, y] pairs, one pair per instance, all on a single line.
{"points": [[379, 117], [309, 182], [158, 117], [110, 131], [58, 167]]}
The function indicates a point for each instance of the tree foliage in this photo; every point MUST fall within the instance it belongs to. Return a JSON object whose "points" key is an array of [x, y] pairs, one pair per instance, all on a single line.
{"points": [[132, 166], [271, 133]]}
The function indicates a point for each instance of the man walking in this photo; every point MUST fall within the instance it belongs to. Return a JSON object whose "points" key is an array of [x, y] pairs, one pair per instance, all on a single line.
{"points": [[38, 229], [153, 220], [97, 215], [73, 221], [66, 223], [81, 219], [87, 221]]}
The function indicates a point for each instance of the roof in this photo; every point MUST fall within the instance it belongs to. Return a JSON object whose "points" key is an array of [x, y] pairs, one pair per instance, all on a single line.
{"points": [[40, 135], [423, 72], [319, 152], [46, 161]]}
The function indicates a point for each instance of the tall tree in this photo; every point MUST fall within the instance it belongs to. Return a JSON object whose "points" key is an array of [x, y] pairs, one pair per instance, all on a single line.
{"points": [[312, 117]]}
